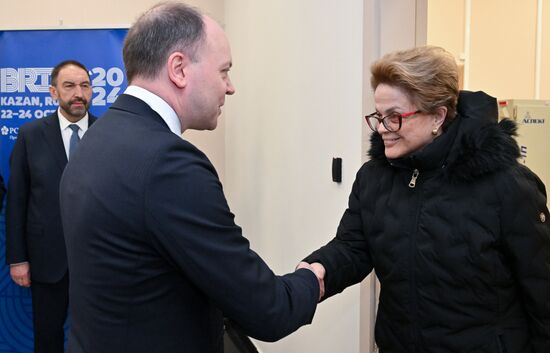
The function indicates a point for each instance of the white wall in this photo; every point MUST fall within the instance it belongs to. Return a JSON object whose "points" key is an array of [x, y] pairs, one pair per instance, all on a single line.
{"points": [[501, 48], [298, 72], [502, 55], [34, 14], [445, 30], [545, 52]]}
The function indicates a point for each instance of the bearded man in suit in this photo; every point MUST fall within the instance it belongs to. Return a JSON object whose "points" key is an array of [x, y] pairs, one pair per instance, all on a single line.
{"points": [[35, 247]]}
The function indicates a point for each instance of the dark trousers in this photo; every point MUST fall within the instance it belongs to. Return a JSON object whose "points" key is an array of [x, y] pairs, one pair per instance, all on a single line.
{"points": [[49, 306]]}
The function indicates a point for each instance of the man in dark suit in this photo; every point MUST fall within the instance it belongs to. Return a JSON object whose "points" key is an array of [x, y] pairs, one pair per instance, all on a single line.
{"points": [[155, 257], [35, 247]]}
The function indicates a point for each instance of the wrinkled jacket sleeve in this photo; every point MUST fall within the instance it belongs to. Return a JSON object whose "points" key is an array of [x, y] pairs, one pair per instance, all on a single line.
{"points": [[195, 230], [346, 258], [526, 238], [17, 202]]}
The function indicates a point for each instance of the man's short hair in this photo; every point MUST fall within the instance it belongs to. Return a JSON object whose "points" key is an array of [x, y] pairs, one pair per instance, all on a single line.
{"points": [[58, 67], [162, 30]]}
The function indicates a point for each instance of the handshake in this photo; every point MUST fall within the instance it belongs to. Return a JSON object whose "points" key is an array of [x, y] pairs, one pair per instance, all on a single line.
{"points": [[319, 271]]}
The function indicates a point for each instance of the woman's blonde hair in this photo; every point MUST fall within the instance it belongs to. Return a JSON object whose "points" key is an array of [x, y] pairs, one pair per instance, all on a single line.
{"points": [[428, 75]]}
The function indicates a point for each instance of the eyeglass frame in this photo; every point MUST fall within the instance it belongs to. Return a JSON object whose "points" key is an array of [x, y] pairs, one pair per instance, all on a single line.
{"points": [[382, 120]]}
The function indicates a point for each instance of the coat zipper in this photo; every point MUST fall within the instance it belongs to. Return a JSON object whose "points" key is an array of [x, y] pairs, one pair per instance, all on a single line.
{"points": [[415, 175], [414, 247]]}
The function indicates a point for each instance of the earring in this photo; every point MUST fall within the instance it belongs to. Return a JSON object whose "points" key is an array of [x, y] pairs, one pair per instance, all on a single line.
{"points": [[434, 131]]}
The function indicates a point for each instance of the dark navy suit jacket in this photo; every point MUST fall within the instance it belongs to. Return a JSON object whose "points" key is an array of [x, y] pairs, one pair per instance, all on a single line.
{"points": [[155, 257], [33, 221], [2, 192]]}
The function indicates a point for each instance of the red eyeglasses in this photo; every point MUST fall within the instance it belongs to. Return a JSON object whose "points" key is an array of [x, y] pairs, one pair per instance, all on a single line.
{"points": [[392, 122]]}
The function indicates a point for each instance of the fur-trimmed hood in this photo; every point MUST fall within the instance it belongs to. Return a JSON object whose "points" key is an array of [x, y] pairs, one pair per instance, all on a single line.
{"points": [[472, 146]]}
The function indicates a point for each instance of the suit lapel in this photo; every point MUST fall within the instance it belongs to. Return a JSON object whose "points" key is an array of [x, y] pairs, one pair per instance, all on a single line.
{"points": [[91, 119], [138, 107], [52, 133]]}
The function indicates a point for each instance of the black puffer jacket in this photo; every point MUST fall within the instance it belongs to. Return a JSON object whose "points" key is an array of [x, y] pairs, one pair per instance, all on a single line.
{"points": [[462, 252]]}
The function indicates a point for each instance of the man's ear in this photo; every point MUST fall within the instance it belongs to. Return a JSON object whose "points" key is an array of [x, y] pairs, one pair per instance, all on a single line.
{"points": [[177, 64], [53, 92]]}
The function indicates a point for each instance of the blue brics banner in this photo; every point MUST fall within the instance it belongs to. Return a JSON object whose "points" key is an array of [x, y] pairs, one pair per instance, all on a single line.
{"points": [[26, 61]]}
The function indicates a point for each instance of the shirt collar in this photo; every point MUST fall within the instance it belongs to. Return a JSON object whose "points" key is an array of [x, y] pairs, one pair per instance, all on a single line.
{"points": [[64, 122], [159, 105]]}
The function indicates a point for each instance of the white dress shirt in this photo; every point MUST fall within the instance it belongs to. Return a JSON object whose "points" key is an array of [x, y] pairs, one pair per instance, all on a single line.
{"points": [[159, 105], [66, 131]]}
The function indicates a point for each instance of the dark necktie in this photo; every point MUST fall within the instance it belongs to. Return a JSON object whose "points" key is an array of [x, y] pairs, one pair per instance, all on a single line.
{"points": [[74, 139]]}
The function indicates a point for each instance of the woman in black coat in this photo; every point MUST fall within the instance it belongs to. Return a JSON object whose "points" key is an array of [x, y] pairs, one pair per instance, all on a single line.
{"points": [[457, 231]]}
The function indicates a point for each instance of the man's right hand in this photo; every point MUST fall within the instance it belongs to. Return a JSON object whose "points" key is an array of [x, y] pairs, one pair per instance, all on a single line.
{"points": [[21, 274], [319, 271]]}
